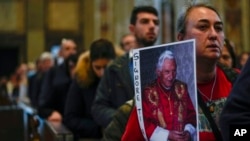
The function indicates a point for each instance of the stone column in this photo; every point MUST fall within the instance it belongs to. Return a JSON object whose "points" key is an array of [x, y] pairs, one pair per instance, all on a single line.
{"points": [[35, 29]]}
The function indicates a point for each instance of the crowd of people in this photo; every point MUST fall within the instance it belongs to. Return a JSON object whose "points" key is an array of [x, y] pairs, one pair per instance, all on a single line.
{"points": [[92, 92]]}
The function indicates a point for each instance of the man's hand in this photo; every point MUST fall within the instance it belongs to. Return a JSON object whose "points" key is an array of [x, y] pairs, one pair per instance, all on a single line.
{"points": [[179, 136], [186, 136], [55, 116]]}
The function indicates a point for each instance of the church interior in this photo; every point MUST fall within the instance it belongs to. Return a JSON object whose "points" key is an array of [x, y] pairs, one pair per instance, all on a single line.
{"points": [[30, 27]]}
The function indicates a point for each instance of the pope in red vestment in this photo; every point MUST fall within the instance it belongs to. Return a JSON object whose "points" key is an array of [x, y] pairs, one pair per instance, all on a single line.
{"points": [[167, 109], [163, 111]]}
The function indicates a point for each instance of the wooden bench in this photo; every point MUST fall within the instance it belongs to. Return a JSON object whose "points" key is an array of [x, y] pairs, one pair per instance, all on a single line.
{"points": [[12, 123], [19, 122], [56, 131], [46, 130]]}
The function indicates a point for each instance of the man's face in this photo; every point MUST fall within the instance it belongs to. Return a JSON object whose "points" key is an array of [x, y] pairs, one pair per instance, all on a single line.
{"points": [[129, 42], [99, 66], [205, 26], [168, 73], [146, 29], [68, 48], [47, 64], [226, 58], [243, 59]]}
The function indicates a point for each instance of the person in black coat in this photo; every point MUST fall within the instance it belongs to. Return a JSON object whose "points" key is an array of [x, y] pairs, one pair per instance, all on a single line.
{"points": [[55, 89], [56, 83], [43, 64], [237, 107], [116, 86], [89, 70]]}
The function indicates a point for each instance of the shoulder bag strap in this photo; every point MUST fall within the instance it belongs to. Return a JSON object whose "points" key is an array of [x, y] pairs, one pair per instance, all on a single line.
{"points": [[213, 125]]}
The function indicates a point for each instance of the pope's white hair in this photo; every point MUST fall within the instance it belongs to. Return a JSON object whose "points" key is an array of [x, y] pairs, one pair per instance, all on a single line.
{"points": [[165, 55]]}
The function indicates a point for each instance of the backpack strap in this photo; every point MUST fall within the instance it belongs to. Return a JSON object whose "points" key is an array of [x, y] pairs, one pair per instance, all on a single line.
{"points": [[213, 125]]}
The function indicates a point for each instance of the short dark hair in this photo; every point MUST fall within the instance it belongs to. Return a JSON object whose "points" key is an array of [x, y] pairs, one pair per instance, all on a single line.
{"points": [[182, 19], [141, 9], [102, 48]]}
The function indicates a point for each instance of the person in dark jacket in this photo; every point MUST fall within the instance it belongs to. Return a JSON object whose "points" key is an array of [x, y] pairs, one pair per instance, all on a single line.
{"points": [[236, 110], [116, 127], [55, 89], [43, 64], [116, 86], [89, 70], [56, 82]]}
